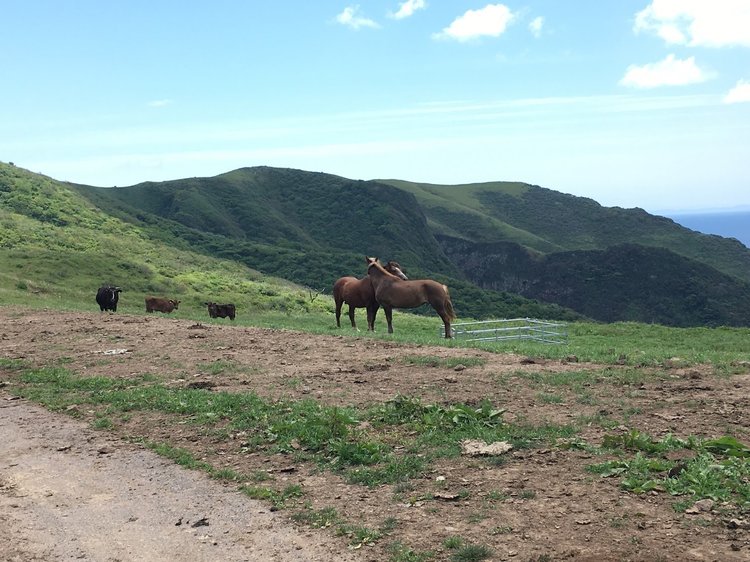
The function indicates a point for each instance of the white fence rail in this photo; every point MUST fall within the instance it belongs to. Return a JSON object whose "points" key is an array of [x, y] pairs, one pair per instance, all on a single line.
{"points": [[512, 329]]}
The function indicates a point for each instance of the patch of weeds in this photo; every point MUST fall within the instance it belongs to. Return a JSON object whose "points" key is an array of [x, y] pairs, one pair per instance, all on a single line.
{"points": [[576, 444], [501, 530], [411, 411], [496, 460], [638, 472], [719, 469], [388, 525], [721, 480], [359, 535], [318, 519], [260, 476], [586, 398], [398, 552], [454, 542], [471, 553], [13, 365], [599, 419], [637, 441], [403, 488], [477, 517], [548, 398], [103, 423], [527, 495], [218, 367], [227, 475], [354, 453], [447, 362], [183, 457], [278, 498], [497, 495], [397, 469], [294, 382]]}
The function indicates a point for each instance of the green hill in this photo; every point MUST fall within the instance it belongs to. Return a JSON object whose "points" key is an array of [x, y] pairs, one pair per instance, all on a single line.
{"points": [[57, 247], [233, 237], [505, 249], [548, 221]]}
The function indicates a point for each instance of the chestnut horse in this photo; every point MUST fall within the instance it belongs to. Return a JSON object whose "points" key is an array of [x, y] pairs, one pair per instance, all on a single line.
{"points": [[358, 293], [391, 292]]}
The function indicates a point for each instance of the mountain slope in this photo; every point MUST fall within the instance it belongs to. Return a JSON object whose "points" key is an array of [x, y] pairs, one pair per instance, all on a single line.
{"points": [[505, 249], [57, 246], [308, 227], [548, 221]]}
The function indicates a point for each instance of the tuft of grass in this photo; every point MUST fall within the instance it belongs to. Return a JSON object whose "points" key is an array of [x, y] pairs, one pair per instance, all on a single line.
{"points": [[471, 553], [279, 498], [398, 552], [454, 542], [448, 362], [318, 519]]}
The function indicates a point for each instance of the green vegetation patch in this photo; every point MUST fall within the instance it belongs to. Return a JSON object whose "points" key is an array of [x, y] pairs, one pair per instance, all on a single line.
{"points": [[715, 469], [333, 437]]}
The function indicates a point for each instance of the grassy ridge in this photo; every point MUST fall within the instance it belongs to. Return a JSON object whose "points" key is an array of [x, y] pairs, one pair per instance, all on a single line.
{"points": [[504, 249]]}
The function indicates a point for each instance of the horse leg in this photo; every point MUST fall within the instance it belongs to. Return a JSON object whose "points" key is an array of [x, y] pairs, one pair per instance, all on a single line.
{"points": [[447, 322], [338, 312], [372, 312], [389, 317], [351, 317], [445, 316]]}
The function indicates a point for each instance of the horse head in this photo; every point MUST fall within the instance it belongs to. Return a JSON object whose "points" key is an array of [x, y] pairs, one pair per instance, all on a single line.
{"points": [[394, 268], [391, 269]]}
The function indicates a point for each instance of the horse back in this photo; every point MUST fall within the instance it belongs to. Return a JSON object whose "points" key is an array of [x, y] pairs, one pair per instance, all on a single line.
{"points": [[353, 291]]}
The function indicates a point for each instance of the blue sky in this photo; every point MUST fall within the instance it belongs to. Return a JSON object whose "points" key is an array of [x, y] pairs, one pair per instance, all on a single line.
{"points": [[632, 103]]}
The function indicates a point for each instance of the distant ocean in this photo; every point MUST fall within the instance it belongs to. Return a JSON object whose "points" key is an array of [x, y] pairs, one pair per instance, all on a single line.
{"points": [[727, 224]]}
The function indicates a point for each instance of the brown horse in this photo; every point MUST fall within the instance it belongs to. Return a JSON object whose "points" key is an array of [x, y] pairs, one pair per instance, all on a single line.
{"points": [[391, 292], [358, 293]]}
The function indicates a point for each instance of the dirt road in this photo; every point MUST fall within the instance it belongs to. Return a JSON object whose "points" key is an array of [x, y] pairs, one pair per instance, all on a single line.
{"points": [[70, 493]]}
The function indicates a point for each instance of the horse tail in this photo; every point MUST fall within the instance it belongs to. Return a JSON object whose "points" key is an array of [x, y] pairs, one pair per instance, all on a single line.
{"points": [[448, 304]]}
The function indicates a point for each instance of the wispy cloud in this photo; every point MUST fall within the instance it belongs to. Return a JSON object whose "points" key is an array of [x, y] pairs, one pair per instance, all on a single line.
{"points": [[536, 26], [351, 17], [697, 23], [407, 9], [159, 103], [668, 72], [490, 21], [740, 93]]}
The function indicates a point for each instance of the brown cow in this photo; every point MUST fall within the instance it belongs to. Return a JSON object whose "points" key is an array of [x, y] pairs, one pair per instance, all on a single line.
{"points": [[161, 304]]}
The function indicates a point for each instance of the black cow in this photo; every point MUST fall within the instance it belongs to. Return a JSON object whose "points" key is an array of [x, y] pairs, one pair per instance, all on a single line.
{"points": [[220, 310], [107, 297]]}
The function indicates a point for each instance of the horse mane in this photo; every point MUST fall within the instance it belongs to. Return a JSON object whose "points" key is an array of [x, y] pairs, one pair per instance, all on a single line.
{"points": [[374, 262]]}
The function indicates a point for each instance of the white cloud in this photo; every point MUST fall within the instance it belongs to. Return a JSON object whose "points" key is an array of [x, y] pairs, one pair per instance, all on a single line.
{"points": [[492, 20], [668, 72], [536, 26], [697, 23], [351, 17], [740, 93], [159, 103], [407, 8]]}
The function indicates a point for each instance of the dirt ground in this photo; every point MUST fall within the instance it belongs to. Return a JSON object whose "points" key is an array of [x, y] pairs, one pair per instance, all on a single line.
{"points": [[70, 492]]}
